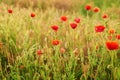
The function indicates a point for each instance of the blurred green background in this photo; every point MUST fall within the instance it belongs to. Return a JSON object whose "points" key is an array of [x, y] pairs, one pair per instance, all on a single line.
{"points": [[61, 4]]}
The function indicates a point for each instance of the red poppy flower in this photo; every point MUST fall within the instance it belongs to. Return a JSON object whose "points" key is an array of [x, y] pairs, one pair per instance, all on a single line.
{"points": [[55, 42], [104, 16], [96, 9], [62, 50], [39, 52], [97, 47], [77, 20], [111, 31], [63, 18], [112, 45], [10, 11], [73, 25], [32, 14], [88, 7], [118, 36], [99, 28], [55, 27], [110, 37], [21, 66]]}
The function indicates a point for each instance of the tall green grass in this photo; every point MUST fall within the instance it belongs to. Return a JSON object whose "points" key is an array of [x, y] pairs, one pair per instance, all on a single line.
{"points": [[21, 36]]}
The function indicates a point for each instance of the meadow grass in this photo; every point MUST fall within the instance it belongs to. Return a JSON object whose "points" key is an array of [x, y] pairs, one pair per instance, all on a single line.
{"points": [[22, 35]]}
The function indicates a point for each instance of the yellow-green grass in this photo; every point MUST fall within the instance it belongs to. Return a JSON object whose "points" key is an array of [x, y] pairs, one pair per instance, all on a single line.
{"points": [[21, 36]]}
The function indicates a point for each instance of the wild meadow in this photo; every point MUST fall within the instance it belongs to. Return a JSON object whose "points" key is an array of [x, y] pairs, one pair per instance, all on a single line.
{"points": [[59, 40]]}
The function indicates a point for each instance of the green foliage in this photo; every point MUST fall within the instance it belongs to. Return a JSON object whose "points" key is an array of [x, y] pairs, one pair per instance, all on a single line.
{"points": [[22, 35]]}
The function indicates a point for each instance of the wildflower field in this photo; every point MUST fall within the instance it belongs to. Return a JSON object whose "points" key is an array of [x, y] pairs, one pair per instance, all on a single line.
{"points": [[60, 40]]}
